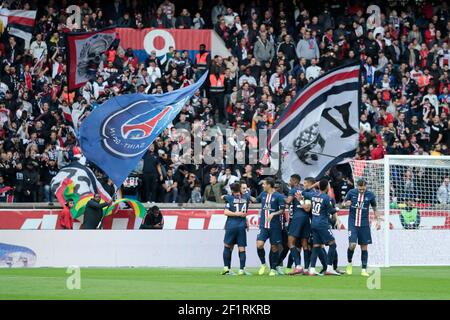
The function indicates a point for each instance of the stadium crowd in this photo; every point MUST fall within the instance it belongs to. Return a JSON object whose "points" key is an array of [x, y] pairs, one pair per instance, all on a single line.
{"points": [[276, 48]]}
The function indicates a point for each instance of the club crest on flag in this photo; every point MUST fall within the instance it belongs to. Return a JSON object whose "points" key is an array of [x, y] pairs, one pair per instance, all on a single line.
{"points": [[125, 137], [116, 134]]}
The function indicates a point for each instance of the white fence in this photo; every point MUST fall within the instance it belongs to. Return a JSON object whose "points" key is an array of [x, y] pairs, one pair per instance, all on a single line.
{"points": [[192, 248]]}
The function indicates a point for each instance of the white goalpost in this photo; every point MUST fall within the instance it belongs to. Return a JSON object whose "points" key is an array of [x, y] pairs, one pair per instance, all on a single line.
{"points": [[414, 194]]}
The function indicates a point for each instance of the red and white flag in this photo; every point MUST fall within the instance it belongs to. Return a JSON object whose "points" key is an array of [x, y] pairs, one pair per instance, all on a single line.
{"points": [[20, 23]]}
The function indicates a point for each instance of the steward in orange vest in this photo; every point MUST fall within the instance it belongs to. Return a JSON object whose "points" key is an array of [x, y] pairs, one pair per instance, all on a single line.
{"points": [[202, 59]]}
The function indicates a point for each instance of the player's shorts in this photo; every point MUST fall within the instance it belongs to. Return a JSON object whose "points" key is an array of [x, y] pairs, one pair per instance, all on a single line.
{"points": [[322, 235], [236, 236], [360, 235], [275, 235], [300, 227]]}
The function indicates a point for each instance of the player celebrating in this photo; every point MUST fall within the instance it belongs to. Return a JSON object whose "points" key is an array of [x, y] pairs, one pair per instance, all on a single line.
{"points": [[320, 207], [359, 200], [270, 227], [299, 225], [235, 227]]}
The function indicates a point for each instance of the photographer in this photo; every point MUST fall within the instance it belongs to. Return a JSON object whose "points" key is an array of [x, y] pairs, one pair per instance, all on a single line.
{"points": [[153, 219]]}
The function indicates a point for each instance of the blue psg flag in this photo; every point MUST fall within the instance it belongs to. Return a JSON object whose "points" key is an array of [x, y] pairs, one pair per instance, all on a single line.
{"points": [[118, 132]]}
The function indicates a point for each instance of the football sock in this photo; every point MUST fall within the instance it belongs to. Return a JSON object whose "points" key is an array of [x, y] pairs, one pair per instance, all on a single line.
{"points": [[335, 261], [242, 258], [283, 255], [315, 253], [322, 253], [290, 261], [273, 259], [331, 254], [262, 255], [296, 256], [227, 257], [364, 258], [307, 257], [350, 255]]}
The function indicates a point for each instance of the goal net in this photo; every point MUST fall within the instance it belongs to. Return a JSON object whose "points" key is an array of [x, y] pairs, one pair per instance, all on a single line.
{"points": [[414, 190], [413, 193]]}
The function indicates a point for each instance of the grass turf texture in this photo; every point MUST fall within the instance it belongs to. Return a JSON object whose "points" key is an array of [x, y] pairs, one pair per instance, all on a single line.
{"points": [[191, 284]]}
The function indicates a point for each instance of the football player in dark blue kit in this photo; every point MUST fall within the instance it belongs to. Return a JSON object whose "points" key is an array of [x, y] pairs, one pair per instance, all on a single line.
{"points": [[284, 233], [270, 227], [359, 200], [334, 222], [321, 205], [309, 189], [299, 225], [236, 206]]}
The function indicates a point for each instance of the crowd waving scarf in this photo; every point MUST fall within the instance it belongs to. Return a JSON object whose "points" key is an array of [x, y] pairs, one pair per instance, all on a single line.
{"points": [[137, 207]]}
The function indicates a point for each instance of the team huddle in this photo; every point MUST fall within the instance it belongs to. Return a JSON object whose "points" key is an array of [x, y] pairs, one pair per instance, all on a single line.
{"points": [[307, 228]]}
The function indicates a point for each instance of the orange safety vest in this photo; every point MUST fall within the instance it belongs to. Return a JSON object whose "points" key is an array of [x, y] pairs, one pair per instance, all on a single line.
{"points": [[217, 84], [202, 59]]}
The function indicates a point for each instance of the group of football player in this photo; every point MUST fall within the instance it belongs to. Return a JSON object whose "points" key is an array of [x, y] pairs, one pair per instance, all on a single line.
{"points": [[307, 228]]}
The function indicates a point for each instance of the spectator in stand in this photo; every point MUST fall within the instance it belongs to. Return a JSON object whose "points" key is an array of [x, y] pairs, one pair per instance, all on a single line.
{"points": [[214, 190], [170, 187], [263, 50], [152, 173], [308, 48], [227, 178], [443, 193]]}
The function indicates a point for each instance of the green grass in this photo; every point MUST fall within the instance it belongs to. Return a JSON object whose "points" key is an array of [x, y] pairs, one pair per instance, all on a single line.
{"points": [[191, 284]]}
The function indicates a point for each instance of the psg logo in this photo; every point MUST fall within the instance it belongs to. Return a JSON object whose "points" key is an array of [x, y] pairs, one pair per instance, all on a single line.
{"points": [[125, 136]]}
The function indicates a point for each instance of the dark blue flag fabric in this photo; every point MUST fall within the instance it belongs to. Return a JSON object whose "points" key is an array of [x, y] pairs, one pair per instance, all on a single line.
{"points": [[116, 134]]}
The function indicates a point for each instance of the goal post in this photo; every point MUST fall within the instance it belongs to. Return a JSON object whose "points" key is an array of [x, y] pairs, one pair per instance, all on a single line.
{"points": [[414, 194]]}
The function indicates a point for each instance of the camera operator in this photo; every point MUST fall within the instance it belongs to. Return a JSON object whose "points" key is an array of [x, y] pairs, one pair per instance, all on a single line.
{"points": [[153, 219]]}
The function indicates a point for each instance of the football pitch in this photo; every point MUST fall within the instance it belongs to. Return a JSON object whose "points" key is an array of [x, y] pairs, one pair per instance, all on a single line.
{"points": [[191, 284]]}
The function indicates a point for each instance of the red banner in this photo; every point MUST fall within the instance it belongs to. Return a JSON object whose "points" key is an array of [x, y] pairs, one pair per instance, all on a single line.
{"points": [[185, 219]]}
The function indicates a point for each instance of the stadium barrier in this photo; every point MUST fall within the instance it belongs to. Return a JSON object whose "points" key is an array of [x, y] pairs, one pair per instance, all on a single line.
{"points": [[192, 248], [192, 237], [209, 216]]}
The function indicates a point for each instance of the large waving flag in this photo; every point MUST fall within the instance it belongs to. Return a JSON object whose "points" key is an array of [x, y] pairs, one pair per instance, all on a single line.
{"points": [[319, 128], [78, 182], [20, 23], [85, 50], [118, 132]]}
